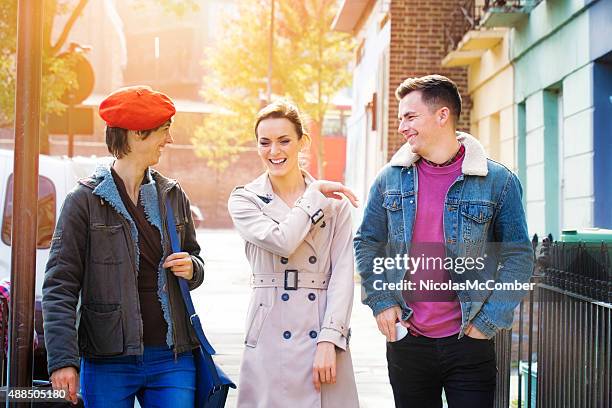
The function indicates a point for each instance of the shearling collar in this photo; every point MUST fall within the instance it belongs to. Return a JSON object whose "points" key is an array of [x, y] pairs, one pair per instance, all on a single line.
{"points": [[474, 162], [104, 187]]}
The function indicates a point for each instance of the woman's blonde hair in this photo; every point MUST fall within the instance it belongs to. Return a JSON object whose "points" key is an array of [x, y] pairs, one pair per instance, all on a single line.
{"points": [[282, 109]]}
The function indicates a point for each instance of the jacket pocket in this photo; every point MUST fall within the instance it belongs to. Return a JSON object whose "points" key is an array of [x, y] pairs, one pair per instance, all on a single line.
{"points": [[395, 217], [256, 325], [392, 202], [101, 330], [106, 242], [476, 220]]}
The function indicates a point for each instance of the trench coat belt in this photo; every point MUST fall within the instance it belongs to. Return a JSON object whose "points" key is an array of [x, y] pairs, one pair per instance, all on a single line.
{"points": [[310, 280]]}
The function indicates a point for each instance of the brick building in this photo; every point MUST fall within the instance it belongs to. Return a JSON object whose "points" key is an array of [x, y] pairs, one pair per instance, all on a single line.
{"points": [[397, 39], [145, 44]]}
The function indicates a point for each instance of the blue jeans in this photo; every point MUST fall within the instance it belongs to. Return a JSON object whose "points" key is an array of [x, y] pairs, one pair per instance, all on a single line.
{"points": [[155, 378]]}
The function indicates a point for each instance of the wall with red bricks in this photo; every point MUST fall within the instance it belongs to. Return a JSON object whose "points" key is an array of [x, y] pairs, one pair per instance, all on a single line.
{"points": [[417, 48]]}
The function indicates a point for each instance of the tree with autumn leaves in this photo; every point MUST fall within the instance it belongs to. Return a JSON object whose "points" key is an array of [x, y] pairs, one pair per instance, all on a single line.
{"points": [[58, 76], [309, 67]]}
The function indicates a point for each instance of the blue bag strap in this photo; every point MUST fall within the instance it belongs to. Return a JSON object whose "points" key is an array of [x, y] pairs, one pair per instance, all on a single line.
{"points": [[193, 316]]}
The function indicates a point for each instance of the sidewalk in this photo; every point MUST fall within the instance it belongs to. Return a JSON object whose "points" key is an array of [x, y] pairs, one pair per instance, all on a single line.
{"points": [[222, 303]]}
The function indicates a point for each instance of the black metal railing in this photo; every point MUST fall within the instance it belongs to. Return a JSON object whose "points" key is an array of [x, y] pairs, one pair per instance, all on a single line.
{"points": [[509, 5], [469, 14], [560, 346], [464, 17]]}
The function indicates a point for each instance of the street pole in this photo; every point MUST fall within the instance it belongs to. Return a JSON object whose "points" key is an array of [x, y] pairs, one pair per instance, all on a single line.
{"points": [[70, 133], [270, 52], [25, 193]]}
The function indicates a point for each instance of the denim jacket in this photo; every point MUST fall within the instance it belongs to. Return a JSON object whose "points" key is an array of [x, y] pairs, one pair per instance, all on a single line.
{"points": [[483, 214]]}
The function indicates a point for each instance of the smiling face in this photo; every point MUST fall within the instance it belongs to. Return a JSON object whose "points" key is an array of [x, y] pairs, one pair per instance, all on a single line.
{"points": [[278, 145], [148, 149], [420, 124]]}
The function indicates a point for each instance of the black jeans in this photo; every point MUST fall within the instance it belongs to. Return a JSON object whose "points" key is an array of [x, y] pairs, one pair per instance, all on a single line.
{"points": [[419, 367]]}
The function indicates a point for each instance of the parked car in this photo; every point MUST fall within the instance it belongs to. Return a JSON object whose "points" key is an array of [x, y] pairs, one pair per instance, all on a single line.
{"points": [[57, 176]]}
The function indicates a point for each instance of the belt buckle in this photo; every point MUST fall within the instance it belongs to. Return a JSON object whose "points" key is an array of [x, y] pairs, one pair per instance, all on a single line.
{"points": [[291, 279]]}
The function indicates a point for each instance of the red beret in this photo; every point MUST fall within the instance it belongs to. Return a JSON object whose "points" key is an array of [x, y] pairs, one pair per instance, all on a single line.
{"points": [[136, 108]]}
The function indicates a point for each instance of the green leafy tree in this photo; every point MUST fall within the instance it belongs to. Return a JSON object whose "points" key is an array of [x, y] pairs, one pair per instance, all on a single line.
{"points": [[309, 67], [57, 73], [58, 76]]}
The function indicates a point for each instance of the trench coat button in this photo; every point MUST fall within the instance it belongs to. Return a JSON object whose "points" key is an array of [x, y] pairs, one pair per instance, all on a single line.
{"points": [[323, 224], [285, 297], [312, 259], [284, 260], [313, 334], [312, 296], [287, 334]]}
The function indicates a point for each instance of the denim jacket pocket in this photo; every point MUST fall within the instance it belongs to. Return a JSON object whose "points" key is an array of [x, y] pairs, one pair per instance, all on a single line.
{"points": [[476, 220], [393, 204]]}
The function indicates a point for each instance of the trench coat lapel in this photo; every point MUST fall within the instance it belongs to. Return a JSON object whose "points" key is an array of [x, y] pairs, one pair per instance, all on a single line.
{"points": [[276, 208]]}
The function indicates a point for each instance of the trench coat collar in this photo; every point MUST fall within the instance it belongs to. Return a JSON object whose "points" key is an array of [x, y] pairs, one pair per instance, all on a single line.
{"points": [[474, 162], [262, 186], [273, 206]]}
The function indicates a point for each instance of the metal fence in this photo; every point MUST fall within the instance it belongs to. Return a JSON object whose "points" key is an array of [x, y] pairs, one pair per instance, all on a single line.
{"points": [[469, 14], [465, 17], [561, 343]]}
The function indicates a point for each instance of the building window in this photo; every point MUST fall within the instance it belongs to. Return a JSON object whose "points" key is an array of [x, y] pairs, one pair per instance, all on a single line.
{"points": [[602, 145], [46, 212]]}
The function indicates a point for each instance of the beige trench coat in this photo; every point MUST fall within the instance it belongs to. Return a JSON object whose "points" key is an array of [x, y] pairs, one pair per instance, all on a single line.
{"points": [[283, 326]]}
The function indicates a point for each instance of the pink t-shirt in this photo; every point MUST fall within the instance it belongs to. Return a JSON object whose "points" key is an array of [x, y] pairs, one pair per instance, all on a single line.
{"points": [[436, 313]]}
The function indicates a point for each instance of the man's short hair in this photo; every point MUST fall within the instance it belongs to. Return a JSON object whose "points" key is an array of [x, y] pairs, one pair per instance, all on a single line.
{"points": [[117, 139], [436, 91]]}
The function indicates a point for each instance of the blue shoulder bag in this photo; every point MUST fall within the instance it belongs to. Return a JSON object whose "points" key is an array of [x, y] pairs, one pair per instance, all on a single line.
{"points": [[212, 384]]}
